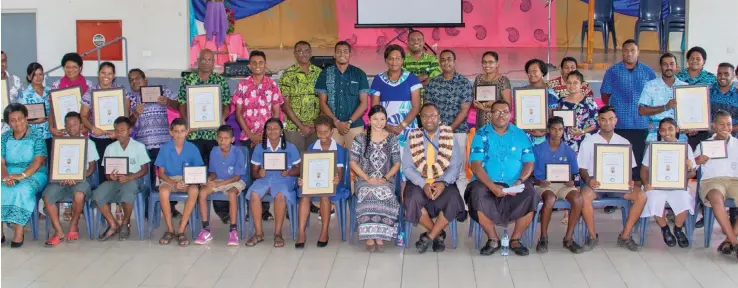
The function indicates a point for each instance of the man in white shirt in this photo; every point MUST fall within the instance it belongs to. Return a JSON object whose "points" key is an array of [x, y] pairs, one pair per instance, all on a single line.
{"points": [[720, 179], [607, 121], [13, 82]]}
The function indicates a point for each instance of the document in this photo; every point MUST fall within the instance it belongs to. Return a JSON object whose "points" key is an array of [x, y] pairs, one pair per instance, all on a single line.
{"points": [[69, 159], [486, 93], [116, 165], [150, 94], [612, 165], [36, 111], [558, 172], [275, 161], [107, 110], [668, 166], [319, 174], [531, 110], [204, 107], [715, 149], [195, 175]]}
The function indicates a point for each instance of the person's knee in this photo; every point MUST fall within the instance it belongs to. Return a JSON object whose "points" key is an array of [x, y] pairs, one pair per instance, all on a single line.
{"points": [[255, 198], [588, 195], [192, 191], [639, 197], [79, 197], [549, 199]]}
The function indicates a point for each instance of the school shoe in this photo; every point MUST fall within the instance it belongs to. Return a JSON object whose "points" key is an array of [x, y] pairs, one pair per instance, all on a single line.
{"points": [[233, 238], [669, 238], [627, 243], [590, 243], [491, 247], [542, 246], [439, 244], [204, 237], [423, 243], [681, 238]]}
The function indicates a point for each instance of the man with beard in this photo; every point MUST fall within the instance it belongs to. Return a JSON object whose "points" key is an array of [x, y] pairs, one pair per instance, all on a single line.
{"points": [[657, 97], [422, 64]]}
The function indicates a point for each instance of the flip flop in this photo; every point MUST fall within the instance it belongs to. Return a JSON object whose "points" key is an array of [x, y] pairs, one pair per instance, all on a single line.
{"points": [[54, 241], [72, 236], [105, 237]]}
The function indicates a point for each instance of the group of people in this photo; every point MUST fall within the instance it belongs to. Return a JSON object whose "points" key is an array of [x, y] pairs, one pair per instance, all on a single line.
{"points": [[389, 137]]}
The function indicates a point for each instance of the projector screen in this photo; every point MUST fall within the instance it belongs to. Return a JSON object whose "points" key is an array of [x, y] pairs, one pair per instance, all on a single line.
{"points": [[408, 13]]}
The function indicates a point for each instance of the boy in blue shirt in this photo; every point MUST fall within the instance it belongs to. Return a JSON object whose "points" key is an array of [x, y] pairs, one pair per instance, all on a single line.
{"points": [[173, 157]]}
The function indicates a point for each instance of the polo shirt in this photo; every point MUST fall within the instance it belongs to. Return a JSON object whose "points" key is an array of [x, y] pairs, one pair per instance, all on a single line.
{"points": [[657, 93], [343, 91], [174, 163], [413, 172], [135, 151], [586, 150], [293, 156], [727, 102], [449, 95], [502, 156], [544, 155], [727, 167], [226, 167], [91, 153], [340, 151], [625, 87]]}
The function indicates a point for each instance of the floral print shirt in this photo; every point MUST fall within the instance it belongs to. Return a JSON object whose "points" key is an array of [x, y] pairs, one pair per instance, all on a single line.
{"points": [[257, 101], [704, 78], [225, 98], [298, 88], [585, 116], [559, 86], [29, 96]]}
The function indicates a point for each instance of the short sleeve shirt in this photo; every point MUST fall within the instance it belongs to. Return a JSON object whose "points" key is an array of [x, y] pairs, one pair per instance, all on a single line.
{"points": [[135, 151], [340, 151], [230, 165], [193, 79], [293, 156], [502, 156], [343, 91], [29, 96], [625, 87], [152, 126], [449, 95], [727, 102], [657, 93], [91, 152], [544, 155], [726, 167], [257, 100], [704, 78], [586, 151], [426, 65], [174, 163], [298, 88]]}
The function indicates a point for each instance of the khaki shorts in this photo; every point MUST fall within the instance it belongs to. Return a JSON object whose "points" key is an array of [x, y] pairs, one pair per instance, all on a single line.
{"points": [[162, 183], [559, 189], [240, 186], [348, 139], [728, 186]]}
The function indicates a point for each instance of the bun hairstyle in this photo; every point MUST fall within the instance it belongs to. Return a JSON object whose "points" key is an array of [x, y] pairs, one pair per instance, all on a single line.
{"points": [[281, 133], [374, 110]]}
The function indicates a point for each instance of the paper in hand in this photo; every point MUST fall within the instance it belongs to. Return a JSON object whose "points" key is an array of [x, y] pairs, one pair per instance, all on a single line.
{"points": [[514, 189]]}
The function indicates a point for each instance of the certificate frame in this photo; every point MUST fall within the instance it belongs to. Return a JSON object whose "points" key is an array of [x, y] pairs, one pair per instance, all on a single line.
{"points": [[119, 93], [702, 149], [105, 159], [276, 168], [145, 99], [55, 94], [568, 116], [518, 94], [191, 106], [307, 157], [654, 165], [56, 142], [484, 88], [683, 104], [552, 165], [43, 108], [627, 151], [184, 173], [5, 97]]}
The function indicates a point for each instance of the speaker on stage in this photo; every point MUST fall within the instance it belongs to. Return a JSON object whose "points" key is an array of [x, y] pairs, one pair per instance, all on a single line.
{"points": [[323, 61]]}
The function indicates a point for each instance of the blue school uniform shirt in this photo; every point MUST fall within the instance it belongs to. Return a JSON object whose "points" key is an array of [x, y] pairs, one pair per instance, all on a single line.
{"points": [[293, 156], [502, 156], [340, 151], [174, 163], [544, 155], [227, 167]]}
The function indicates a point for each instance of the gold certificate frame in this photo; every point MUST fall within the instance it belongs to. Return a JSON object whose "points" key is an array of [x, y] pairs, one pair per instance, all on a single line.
{"points": [[692, 111], [618, 179], [673, 154], [199, 115], [101, 99], [531, 108], [318, 172], [64, 101], [63, 166], [5, 99]]}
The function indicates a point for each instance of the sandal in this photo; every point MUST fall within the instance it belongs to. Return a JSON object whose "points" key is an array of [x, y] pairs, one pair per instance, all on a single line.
{"points": [[107, 234], [256, 239], [380, 247], [518, 249], [54, 241], [725, 247], [125, 232], [278, 241], [166, 238], [370, 247], [72, 236], [182, 240]]}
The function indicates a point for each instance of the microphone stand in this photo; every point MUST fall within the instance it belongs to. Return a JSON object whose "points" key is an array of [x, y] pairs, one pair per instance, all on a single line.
{"points": [[551, 67]]}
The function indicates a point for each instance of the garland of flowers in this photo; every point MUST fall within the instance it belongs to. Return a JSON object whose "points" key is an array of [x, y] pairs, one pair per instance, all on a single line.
{"points": [[231, 20]]}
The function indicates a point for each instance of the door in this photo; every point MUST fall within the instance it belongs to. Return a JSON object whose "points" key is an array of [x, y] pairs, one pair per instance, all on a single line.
{"points": [[19, 41]]}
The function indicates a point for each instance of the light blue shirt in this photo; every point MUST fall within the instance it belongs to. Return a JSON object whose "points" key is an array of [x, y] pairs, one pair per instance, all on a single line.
{"points": [[230, 165], [293, 156], [174, 163], [413, 173], [502, 156], [657, 93]]}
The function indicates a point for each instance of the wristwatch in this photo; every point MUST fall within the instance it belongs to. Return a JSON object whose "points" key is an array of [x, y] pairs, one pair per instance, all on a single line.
{"points": [[350, 121]]}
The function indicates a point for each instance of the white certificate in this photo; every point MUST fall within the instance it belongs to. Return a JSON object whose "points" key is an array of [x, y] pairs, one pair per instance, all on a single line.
{"points": [[69, 156], [567, 115], [116, 165], [531, 110], [694, 114], [195, 175], [486, 93], [65, 104], [275, 161], [668, 166], [612, 165], [319, 174], [715, 149], [108, 110], [558, 172], [204, 107]]}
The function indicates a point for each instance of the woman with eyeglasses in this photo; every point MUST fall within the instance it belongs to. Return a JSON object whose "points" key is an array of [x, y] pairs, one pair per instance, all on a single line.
{"points": [[490, 76]]}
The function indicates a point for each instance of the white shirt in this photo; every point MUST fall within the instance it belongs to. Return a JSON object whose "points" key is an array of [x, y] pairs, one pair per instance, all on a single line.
{"points": [[14, 86], [586, 150], [135, 151], [91, 152], [727, 167]]}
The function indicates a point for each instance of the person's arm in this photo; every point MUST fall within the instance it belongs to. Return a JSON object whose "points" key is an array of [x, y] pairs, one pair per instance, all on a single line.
{"points": [[324, 108], [410, 171], [255, 171], [648, 111], [414, 110], [361, 109], [132, 115], [482, 176], [463, 114], [290, 114], [526, 172], [645, 174], [211, 177], [91, 168], [141, 173], [584, 174], [164, 177], [85, 113], [5, 169], [232, 179]]}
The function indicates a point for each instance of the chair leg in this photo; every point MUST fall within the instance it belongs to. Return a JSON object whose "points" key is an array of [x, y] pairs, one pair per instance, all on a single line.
{"points": [[709, 224], [453, 229], [478, 231], [637, 34], [584, 34], [408, 233], [614, 36], [89, 219], [34, 221], [138, 209], [531, 231], [341, 206], [605, 36], [152, 202], [644, 229]]}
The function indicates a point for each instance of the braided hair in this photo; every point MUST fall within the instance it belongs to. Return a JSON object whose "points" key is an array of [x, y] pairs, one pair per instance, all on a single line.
{"points": [[281, 133], [374, 110]]}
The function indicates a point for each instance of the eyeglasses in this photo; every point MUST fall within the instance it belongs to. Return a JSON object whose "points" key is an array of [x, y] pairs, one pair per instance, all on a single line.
{"points": [[498, 113], [303, 52], [488, 62]]}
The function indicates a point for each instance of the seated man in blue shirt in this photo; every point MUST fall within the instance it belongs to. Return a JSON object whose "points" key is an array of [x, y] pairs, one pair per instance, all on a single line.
{"points": [[501, 156], [431, 165], [172, 158], [553, 152]]}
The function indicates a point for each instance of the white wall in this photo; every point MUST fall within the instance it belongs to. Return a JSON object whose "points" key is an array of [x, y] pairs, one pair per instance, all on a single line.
{"points": [[157, 30], [705, 29]]}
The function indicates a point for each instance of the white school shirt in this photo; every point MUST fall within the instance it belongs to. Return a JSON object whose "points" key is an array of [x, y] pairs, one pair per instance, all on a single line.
{"points": [[727, 167], [135, 151], [586, 151], [91, 152]]}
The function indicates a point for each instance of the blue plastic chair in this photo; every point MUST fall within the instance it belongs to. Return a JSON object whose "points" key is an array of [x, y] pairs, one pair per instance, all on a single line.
{"points": [[476, 230], [675, 21], [688, 224], [559, 204], [354, 224], [155, 211], [343, 192], [87, 210], [710, 220], [138, 210], [452, 227]]}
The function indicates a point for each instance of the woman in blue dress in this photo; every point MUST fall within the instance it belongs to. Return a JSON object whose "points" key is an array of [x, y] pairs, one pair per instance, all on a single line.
{"points": [[24, 174], [36, 93]]}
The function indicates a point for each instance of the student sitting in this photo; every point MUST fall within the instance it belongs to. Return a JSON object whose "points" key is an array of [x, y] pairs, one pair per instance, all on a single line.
{"points": [[225, 169], [276, 183], [55, 192], [122, 188], [173, 157], [323, 128]]}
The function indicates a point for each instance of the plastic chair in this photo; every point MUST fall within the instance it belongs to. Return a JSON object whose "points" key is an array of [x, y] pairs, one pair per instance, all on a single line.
{"points": [[138, 210], [155, 211], [649, 19], [710, 220], [86, 211], [559, 204], [354, 224], [341, 199], [674, 22], [688, 224], [604, 21]]}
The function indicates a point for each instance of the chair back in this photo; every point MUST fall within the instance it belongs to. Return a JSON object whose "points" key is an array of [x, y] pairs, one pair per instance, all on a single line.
{"points": [[95, 177], [649, 11], [247, 162], [604, 10], [677, 8], [346, 181]]}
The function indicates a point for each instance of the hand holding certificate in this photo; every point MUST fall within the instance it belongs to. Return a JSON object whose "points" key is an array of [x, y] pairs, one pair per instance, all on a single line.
{"points": [[64, 101], [108, 106], [204, 106], [715, 149], [318, 173], [195, 175], [275, 161], [558, 173], [68, 159], [150, 94], [693, 107], [116, 165]]}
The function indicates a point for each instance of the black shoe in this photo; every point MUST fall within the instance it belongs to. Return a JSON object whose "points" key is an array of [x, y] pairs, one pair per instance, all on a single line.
{"points": [[681, 238], [573, 246], [725, 247], [542, 246], [300, 245], [669, 238], [627, 243], [16, 244], [175, 213], [590, 243], [488, 249], [610, 209], [442, 236], [519, 249], [423, 243], [438, 244], [314, 209], [322, 244], [700, 223]]}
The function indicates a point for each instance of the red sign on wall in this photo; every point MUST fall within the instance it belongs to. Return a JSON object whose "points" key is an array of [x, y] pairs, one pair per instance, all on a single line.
{"points": [[94, 33]]}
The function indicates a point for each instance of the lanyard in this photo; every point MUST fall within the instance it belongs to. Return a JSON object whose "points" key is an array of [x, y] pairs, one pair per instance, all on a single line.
{"points": [[431, 142]]}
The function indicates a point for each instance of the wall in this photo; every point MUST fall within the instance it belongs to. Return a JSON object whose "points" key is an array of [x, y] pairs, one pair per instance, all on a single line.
{"points": [[157, 30], [703, 30]]}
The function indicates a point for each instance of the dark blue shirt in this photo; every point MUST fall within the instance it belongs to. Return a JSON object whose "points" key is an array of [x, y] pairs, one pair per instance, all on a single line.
{"points": [[625, 87], [727, 102], [174, 163], [544, 155]]}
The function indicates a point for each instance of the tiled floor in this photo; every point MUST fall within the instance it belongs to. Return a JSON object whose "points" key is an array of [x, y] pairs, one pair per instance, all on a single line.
{"points": [[146, 264]]}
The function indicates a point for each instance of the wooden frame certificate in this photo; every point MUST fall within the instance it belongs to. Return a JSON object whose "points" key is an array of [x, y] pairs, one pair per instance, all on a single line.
{"points": [[108, 106], [668, 165], [612, 167], [64, 101], [195, 175], [204, 106], [36, 111], [715, 149], [558, 173], [485, 93], [531, 109], [275, 161], [116, 165], [692, 111], [5, 97], [150, 94], [567, 115], [318, 172], [68, 159]]}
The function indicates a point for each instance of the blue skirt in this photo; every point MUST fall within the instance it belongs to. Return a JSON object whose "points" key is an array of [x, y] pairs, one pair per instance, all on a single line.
{"points": [[275, 186]]}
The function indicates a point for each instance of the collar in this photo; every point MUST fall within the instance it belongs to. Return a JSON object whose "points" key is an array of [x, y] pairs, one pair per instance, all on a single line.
{"points": [[423, 57], [677, 82], [334, 145], [230, 151], [269, 145], [727, 141], [295, 68], [716, 88], [29, 89]]}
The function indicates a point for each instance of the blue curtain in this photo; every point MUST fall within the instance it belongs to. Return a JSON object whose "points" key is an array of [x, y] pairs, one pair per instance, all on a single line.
{"points": [[630, 7], [193, 24], [241, 8]]}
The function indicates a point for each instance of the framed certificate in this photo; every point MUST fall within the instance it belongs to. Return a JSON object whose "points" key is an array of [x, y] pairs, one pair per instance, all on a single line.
{"points": [[108, 106], [567, 115], [668, 166], [36, 111], [715, 149], [195, 174], [612, 167], [5, 97], [64, 101], [693, 107], [204, 106], [150, 94], [116, 165], [318, 172], [68, 159], [531, 109], [558, 173], [485, 93], [275, 161]]}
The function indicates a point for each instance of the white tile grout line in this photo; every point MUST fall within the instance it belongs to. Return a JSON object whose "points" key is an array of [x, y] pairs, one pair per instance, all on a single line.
{"points": [[332, 264], [262, 264], [297, 266]]}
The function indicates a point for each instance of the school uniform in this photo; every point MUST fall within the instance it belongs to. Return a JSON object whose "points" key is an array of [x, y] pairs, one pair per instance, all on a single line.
{"points": [[720, 174], [563, 155], [55, 192], [679, 200], [114, 191], [174, 163], [226, 167], [273, 181], [340, 153]]}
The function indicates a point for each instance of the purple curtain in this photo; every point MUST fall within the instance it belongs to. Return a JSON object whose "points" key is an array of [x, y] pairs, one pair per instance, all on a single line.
{"points": [[241, 8]]}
